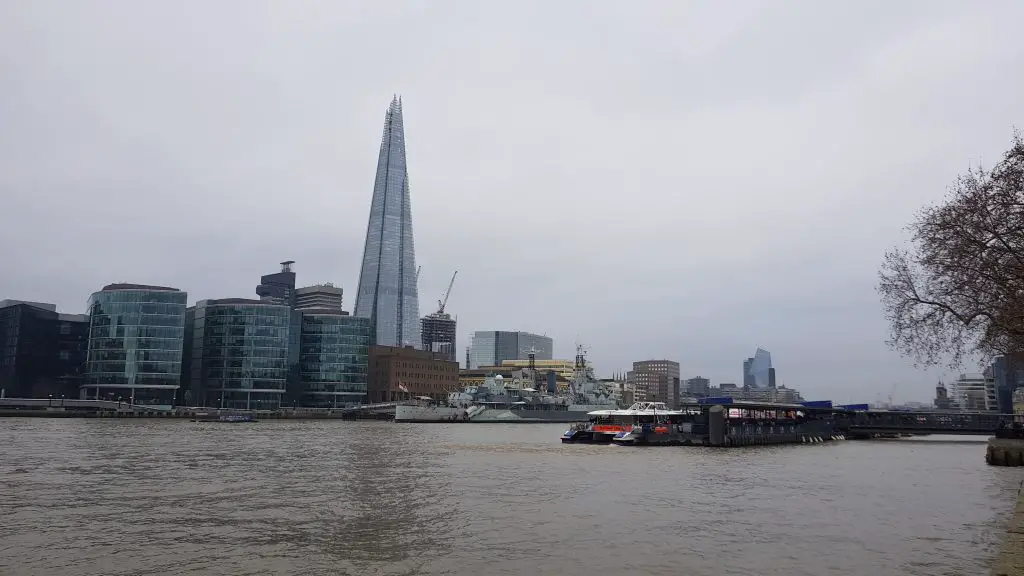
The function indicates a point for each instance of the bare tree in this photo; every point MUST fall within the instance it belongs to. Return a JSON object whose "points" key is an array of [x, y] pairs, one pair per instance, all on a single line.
{"points": [[959, 287]]}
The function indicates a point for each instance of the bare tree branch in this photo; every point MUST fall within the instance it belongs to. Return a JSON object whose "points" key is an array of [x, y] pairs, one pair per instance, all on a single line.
{"points": [[959, 288]]}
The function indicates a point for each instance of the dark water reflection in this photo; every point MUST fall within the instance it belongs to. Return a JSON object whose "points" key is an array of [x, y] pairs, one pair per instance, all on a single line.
{"points": [[158, 497]]}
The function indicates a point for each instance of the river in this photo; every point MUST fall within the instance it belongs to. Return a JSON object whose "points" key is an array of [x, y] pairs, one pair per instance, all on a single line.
{"points": [[135, 497]]}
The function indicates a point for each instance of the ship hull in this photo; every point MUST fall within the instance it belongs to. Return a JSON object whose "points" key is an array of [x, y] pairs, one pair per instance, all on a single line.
{"points": [[446, 414]]}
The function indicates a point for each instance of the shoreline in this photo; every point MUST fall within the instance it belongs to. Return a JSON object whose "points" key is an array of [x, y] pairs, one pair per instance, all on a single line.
{"points": [[1010, 561], [183, 414]]}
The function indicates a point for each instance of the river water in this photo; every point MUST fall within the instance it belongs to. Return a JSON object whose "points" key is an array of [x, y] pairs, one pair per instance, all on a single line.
{"points": [[120, 497]]}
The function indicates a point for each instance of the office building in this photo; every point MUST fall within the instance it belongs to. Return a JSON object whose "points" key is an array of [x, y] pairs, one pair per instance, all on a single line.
{"points": [[780, 395], [325, 295], [42, 352], [698, 387], [387, 292], [758, 371], [279, 287], [136, 336], [333, 358], [237, 353], [491, 348], [656, 381], [438, 334], [563, 369], [975, 393], [1008, 374], [403, 373]]}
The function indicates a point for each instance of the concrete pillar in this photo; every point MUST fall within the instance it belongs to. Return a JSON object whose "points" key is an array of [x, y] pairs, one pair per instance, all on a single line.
{"points": [[716, 425]]}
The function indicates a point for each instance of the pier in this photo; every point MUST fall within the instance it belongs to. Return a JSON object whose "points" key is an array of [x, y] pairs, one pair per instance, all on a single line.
{"points": [[725, 422]]}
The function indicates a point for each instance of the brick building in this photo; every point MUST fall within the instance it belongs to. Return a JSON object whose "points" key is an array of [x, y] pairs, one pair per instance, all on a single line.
{"points": [[400, 373]]}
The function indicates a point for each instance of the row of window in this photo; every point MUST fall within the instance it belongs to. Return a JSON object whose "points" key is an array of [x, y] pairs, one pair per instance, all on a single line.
{"points": [[129, 333], [141, 379], [121, 297], [136, 355], [131, 367]]}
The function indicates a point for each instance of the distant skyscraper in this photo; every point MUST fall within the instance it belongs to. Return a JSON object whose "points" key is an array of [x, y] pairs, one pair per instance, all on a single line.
{"points": [[760, 373], [387, 293], [279, 287], [490, 348]]}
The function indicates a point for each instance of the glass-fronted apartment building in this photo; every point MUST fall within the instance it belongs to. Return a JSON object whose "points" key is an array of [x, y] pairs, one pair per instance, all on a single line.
{"points": [[333, 355], [238, 353], [136, 333]]}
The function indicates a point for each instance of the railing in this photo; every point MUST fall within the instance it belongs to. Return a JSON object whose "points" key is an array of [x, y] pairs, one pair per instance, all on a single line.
{"points": [[123, 405], [967, 423]]}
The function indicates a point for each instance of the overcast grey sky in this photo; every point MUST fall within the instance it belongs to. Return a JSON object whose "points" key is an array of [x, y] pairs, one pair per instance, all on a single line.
{"points": [[674, 179]]}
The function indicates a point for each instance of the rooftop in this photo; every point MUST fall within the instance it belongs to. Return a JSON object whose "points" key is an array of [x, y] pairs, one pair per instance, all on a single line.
{"points": [[40, 305], [125, 286], [238, 301]]}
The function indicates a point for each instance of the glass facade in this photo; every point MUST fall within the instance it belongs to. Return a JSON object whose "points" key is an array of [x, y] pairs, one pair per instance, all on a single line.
{"points": [[136, 335], [491, 348], [42, 352], [387, 292], [759, 370], [333, 356], [239, 353]]}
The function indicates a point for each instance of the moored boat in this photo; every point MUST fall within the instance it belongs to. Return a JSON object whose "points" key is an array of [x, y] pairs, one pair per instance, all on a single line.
{"points": [[221, 417], [641, 423]]}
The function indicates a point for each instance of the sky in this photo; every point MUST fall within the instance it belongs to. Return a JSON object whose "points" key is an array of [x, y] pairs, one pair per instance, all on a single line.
{"points": [[681, 179]]}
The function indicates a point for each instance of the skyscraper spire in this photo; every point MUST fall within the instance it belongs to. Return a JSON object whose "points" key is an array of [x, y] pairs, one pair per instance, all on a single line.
{"points": [[387, 292]]}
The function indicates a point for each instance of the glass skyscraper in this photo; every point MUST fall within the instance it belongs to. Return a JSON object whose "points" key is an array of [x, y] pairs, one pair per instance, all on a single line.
{"points": [[136, 334], [489, 348], [759, 370], [387, 293]]}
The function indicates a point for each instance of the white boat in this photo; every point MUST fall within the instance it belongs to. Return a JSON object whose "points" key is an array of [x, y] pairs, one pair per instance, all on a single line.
{"points": [[623, 425]]}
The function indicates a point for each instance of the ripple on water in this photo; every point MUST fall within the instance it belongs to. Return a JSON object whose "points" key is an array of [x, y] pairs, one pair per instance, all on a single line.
{"points": [[168, 497]]}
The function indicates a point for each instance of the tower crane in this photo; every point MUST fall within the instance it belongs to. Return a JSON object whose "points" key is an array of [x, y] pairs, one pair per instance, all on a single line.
{"points": [[442, 303]]}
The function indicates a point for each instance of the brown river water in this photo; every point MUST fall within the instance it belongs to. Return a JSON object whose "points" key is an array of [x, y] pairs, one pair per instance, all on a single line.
{"points": [[135, 497]]}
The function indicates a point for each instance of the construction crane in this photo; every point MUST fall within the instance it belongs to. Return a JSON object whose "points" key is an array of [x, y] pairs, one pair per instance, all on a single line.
{"points": [[443, 302]]}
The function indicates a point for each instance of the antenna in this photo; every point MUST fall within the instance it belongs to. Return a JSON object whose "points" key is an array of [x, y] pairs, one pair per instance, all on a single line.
{"points": [[442, 303]]}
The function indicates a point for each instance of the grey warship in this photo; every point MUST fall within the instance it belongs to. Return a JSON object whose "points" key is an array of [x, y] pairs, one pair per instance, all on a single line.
{"points": [[518, 401]]}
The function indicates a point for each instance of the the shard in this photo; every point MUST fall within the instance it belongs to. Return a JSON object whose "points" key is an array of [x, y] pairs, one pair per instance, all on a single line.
{"points": [[387, 292]]}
